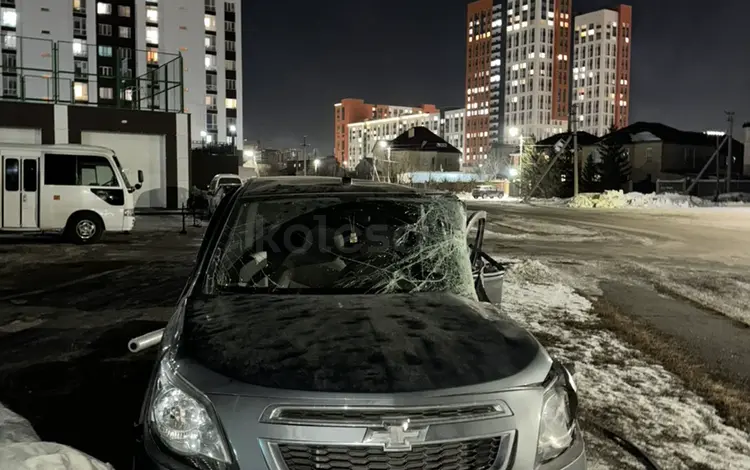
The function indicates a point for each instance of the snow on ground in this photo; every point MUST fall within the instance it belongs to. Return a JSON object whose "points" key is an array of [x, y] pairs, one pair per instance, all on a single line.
{"points": [[636, 200], [727, 295], [619, 387], [21, 448]]}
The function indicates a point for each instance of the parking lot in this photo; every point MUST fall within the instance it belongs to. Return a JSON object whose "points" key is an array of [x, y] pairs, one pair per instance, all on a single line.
{"points": [[66, 314]]}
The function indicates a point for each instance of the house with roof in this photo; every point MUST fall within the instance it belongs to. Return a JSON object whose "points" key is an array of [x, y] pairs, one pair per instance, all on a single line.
{"points": [[417, 149], [658, 151]]}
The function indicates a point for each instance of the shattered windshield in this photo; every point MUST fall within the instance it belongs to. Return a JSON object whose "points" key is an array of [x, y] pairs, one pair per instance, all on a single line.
{"points": [[343, 244]]}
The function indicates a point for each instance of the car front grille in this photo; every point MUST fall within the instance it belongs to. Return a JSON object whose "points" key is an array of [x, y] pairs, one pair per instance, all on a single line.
{"points": [[476, 454], [373, 415]]}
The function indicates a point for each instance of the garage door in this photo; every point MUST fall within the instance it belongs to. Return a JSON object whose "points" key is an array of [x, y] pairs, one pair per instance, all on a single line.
{"points": [[138, 152], [14, 135]]}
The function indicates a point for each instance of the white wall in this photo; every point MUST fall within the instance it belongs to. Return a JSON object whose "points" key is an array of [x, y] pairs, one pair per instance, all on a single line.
{"points": [[39, 23], [173, 15], [240, 96]]}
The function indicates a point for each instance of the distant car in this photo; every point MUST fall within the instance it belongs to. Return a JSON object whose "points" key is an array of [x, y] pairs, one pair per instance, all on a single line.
{"points": [[339, 324], [487, 191], [217, 189]]}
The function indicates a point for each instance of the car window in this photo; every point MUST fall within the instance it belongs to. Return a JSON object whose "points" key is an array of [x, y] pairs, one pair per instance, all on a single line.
{"points": [[229, 181], [343, 244]]}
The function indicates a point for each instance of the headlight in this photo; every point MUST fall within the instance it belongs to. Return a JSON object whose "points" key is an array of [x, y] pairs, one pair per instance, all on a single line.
{"points": [[557, 425], [186, 426]]}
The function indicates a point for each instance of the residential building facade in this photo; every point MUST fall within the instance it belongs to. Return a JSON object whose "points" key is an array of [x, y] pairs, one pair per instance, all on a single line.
{"points": [[601, 69], [517, 72], [352, 111], [137, 54], [363, 136]]}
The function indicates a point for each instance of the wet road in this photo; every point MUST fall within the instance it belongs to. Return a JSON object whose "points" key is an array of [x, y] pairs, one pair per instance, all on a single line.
{"points": [[66, 314], [684, 272]]}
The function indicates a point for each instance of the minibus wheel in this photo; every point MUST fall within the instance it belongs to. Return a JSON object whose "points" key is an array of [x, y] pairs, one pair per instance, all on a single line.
{"points": [[84, 228]]}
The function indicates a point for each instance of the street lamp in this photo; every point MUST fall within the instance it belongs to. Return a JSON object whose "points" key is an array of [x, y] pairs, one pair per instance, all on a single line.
{"points": [[204, 135], [316, 164], [384, 144]]}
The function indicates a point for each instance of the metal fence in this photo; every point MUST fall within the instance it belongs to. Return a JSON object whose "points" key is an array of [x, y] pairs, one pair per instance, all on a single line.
{"points": [[704, 187], [73, 72]]}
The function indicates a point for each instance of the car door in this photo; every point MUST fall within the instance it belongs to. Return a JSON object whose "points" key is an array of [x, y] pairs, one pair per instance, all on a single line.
{"points": [[20, 207]]}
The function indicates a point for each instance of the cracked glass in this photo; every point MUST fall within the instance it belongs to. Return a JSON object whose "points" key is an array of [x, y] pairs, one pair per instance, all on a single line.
{"points": [[343, 244]]}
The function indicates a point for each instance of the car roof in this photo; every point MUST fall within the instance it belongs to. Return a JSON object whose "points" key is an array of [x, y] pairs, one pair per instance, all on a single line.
{"points": [[325, 184], [227, 175]]}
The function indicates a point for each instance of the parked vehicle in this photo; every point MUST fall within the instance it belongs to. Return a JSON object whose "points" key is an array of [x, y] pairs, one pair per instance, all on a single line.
{"points": [[217, 189], [487, 191], [332, 323], [78, 190]]}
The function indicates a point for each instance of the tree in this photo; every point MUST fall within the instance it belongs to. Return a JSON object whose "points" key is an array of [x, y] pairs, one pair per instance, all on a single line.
{"points": [[591, 176], [615, 164], [534, 162]]}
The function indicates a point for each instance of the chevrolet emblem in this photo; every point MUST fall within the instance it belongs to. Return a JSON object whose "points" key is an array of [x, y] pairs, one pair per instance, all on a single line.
{"points": [[396, 436]]}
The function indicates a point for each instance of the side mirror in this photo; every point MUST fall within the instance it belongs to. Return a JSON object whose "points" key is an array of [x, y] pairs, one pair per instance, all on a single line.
{"points": [[138, 186], [140, 177]]}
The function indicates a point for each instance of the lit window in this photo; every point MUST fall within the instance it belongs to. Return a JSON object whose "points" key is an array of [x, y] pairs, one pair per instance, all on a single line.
{"points": [[103, 8], [152, 56], [124, 32], [231, 103], [152, 14], [79, 5], [209, 21], [123, 11], [106, 93], [105, 51], [152, 35], [79, 47], [210, 62], [8, 17], [81, 91], [129, 94]]}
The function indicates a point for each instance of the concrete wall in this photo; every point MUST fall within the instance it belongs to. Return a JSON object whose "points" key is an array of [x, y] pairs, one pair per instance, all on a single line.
{"points": [[63, 124]]}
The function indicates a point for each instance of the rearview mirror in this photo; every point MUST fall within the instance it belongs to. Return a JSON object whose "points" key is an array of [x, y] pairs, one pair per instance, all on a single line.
{"points": [[140, 176], [138, 186]]}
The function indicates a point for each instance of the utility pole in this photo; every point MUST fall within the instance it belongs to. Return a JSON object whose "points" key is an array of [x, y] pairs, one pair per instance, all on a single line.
{"points": [[574, 127], [730, 118], [304, 154]]}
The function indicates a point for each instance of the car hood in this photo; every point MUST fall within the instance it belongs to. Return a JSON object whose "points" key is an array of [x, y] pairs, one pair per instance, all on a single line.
{"points": [[355, 343]]}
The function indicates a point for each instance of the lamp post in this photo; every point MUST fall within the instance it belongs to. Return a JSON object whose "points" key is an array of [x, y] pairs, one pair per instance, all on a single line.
{"points": [[233, 134], [384, 144], [316, 165], [204, 136]]}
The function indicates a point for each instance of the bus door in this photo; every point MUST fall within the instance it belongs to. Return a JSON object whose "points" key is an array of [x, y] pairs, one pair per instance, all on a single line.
{"points": [[20, 191]]}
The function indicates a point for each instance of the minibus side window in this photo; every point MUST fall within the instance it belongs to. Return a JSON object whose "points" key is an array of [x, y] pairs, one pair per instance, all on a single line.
{"points": [[78, 170]]}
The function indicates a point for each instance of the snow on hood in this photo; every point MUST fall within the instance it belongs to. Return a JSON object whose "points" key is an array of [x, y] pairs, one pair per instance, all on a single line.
{"points": [[355, 343], [21, 448]]}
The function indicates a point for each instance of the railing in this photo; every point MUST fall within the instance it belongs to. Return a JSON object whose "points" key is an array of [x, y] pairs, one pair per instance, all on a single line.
{"points": [[77, 73]]}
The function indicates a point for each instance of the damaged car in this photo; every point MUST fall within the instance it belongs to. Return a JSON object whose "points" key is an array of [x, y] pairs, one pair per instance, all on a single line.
{"points": [[340, 324]]}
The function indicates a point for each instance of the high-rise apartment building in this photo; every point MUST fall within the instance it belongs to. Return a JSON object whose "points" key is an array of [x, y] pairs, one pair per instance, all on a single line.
{"points": [[601, 69], [517, 72], [363, 136], [129, 53], [351, 111]]}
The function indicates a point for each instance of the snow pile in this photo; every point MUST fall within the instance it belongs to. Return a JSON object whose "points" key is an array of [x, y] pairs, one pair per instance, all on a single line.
{"points": [[21, 448], [620, 199], [619, 387]]}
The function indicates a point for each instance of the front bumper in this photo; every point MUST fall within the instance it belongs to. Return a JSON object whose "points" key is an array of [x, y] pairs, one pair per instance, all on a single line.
{"points": [[149, 456]]}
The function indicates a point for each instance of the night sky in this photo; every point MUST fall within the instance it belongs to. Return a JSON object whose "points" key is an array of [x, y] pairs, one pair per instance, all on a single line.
{"points": [[690, 61]]}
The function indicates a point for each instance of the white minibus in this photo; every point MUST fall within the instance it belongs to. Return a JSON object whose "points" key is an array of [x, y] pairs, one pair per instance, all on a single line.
{"points": [[79, 190]]}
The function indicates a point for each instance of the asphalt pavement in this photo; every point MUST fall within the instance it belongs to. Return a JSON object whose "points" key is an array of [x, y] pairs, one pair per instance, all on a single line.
{"points": [[629, 253], [66, 315]]}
